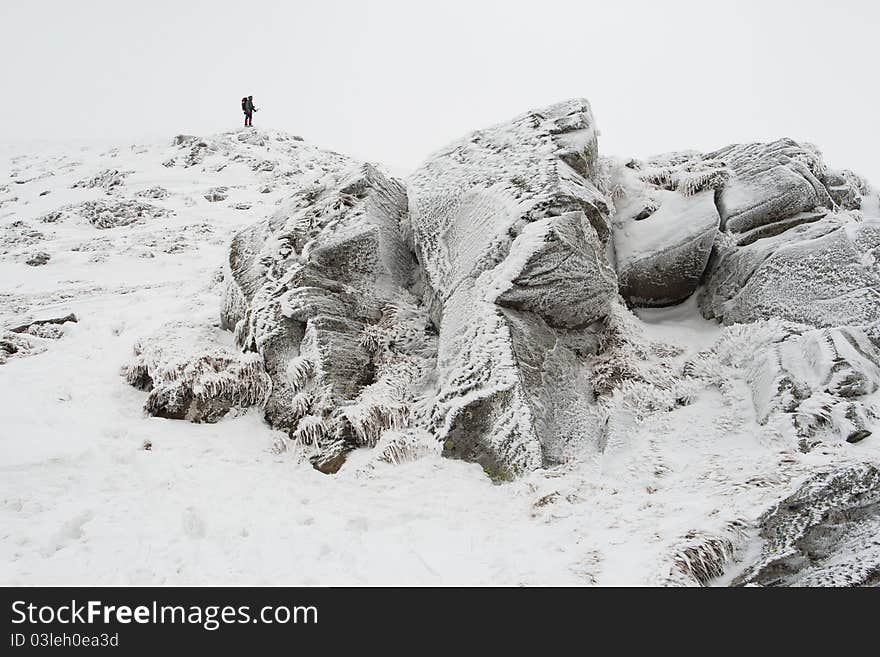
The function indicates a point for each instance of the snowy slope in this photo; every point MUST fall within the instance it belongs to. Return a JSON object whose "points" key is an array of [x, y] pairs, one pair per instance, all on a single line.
{"points": [[95, 491]]}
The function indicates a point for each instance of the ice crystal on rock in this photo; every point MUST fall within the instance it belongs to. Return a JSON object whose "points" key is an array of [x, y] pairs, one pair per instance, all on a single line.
{"points": [[199, 384], [823, 534], [511, 229], [821, 380], [776, 221], [302, 289]]}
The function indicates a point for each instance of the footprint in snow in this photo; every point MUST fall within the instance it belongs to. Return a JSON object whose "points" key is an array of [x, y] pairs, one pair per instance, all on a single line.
{"points": [[70, 531], [193, 524]]}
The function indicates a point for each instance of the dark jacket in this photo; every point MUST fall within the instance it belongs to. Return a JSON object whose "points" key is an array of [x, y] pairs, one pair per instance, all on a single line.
{"points": [[249, 107]]}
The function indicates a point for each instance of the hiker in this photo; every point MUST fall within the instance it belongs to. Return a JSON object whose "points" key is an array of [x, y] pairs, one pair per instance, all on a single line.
{"points": [[247, 106]]}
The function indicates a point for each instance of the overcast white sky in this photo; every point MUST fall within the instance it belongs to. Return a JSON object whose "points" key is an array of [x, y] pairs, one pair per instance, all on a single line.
{"points": [[392, 81]]}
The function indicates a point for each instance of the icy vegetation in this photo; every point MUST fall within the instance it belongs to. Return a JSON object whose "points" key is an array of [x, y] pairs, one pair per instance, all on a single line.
{"points": [[525, 362]]}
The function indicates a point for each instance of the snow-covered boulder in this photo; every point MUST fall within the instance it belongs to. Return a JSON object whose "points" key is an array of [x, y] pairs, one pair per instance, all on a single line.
{"points": [[191, 375], [780, 227], [510, 230], [794, 244], [771, 182], [665, 225], [307, 289], [115, 213], [823, 534], [108, 180], [823, 273]]}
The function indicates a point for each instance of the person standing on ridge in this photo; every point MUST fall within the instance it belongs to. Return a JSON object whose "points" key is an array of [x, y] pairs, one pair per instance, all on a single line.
{"points": [[247, 106]]}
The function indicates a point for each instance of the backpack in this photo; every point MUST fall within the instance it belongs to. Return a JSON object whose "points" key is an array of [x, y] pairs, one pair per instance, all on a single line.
{"points": [[244, 104]]}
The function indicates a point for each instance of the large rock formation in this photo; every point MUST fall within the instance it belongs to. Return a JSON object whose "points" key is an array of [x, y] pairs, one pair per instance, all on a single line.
{"points": [[784, 233], [480, 307], [475, 302], [794, 245], [303, 288], [510, 230]]}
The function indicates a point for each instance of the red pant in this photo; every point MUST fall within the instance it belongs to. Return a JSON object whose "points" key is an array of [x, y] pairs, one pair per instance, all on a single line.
{"points": [[247, 119]]}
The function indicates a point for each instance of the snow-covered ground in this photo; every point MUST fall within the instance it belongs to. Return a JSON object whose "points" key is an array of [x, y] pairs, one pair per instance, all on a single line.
{"points": [[94, 492]]}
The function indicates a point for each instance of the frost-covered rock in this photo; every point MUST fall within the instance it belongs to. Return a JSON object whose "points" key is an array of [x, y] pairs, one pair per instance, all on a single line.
{"points": [[820, 377], [779, 225], [38, 258], [191, 375], [19, 234], [19, 344], [108, 180], [112, 214], [664, 227], [313, 289], [794, 245], [813, 384], [823, 273], [156, 192], [824, 534], [217, 194], [510, 230], [773, 182]]}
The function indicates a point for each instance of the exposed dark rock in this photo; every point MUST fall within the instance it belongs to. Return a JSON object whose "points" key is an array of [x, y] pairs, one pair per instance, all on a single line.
{"points": [[217, 194], [22, 328], [37, 259]]}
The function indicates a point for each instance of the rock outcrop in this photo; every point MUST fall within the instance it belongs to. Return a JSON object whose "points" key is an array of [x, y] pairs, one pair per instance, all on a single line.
{"points": [[824, 534], [665, 226], [783, 231], [822, 273], [304, 289], [478, 302], [794, 246], [510, 230], [816, 382]]}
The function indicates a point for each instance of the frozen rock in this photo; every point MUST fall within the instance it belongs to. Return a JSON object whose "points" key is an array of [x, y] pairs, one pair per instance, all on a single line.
{"points": [[793, 245], [108, 180], [157, 193], [37, 259], [217, 194], [51, 321], [307, 289], [665, 225], [822, 273], [191, 375], [18, 234], [112, 214], [52, 217], [511, 231], [14, 344], [810, 384], [824, 534], [821, 378], [776, 221]]}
